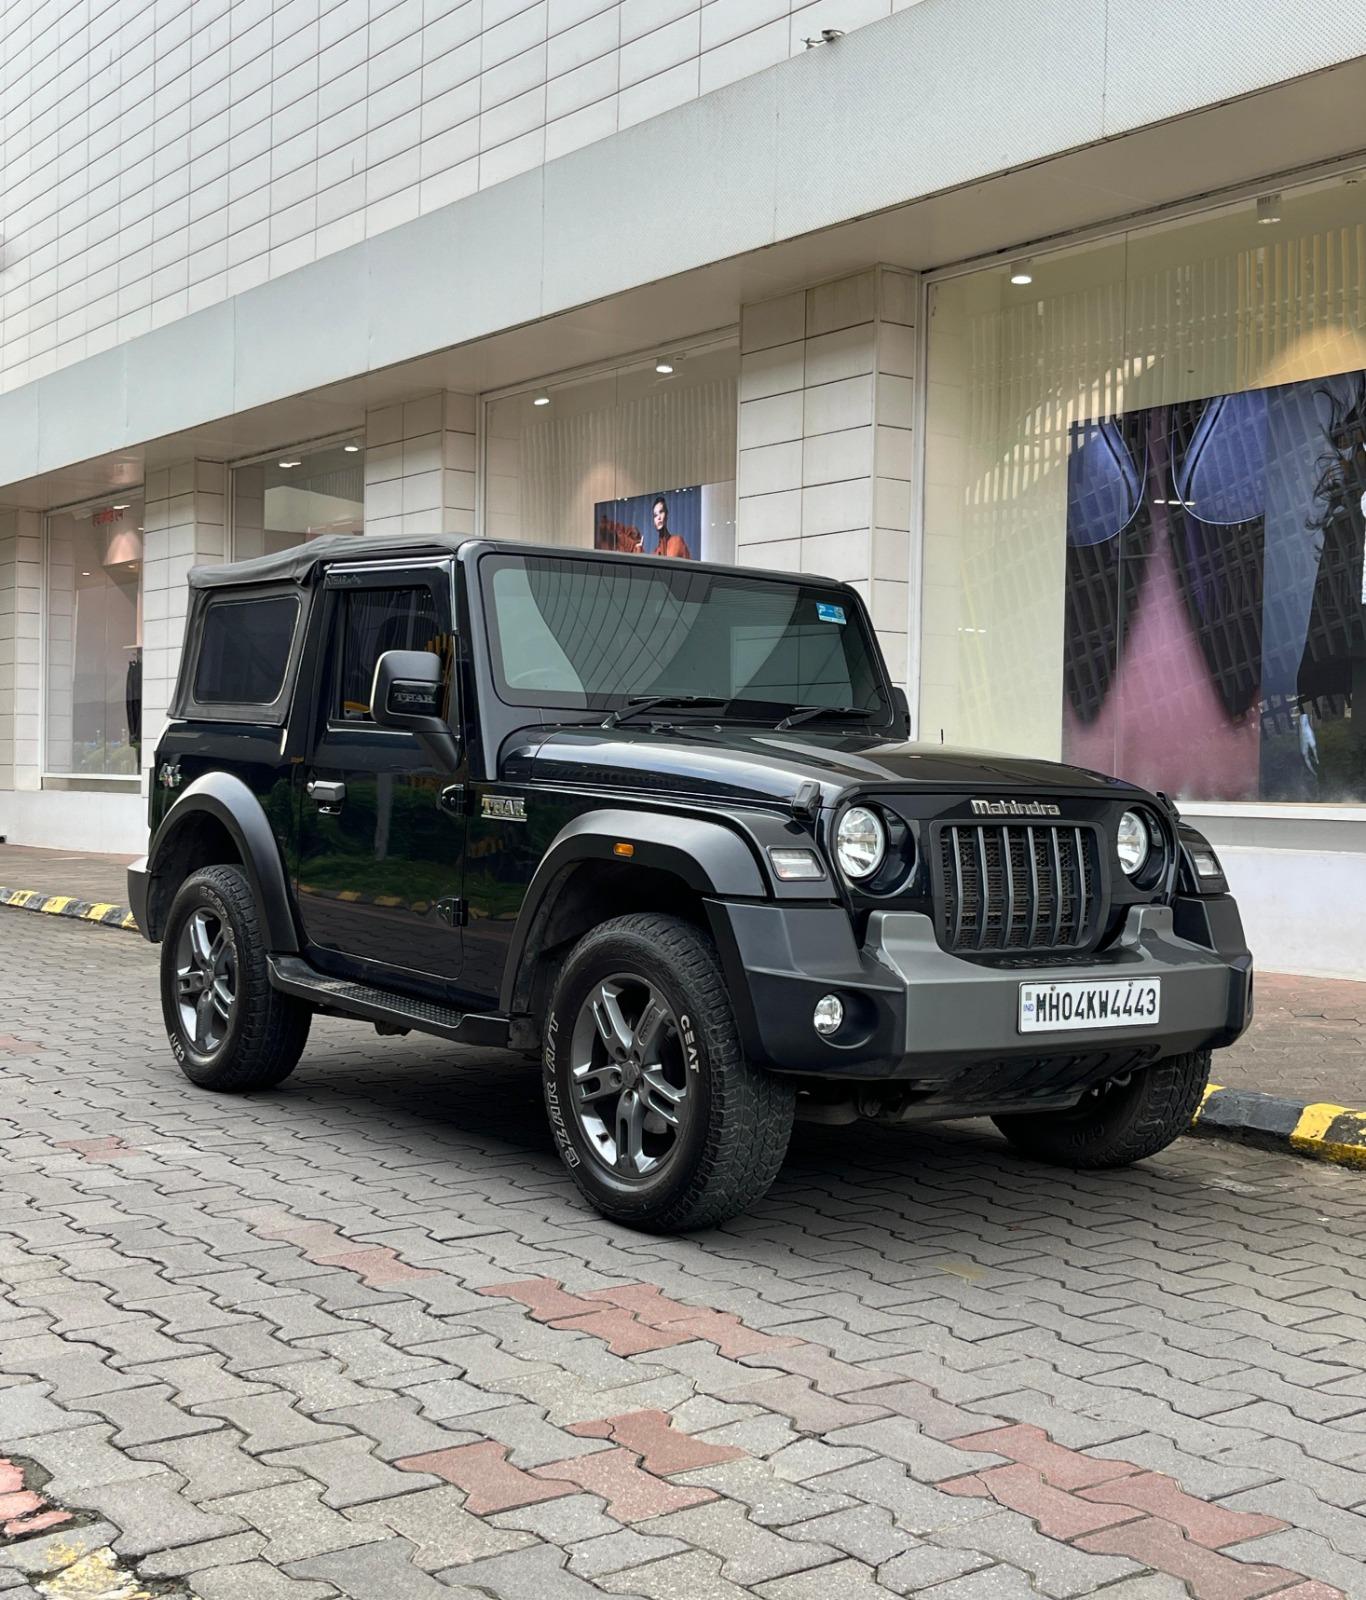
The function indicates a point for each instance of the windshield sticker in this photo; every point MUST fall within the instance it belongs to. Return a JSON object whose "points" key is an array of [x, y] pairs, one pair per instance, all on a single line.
{"points": [[829, 613]]}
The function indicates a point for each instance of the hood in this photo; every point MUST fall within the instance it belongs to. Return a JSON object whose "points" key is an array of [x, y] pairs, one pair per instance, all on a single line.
{"points": [[720, 763]]}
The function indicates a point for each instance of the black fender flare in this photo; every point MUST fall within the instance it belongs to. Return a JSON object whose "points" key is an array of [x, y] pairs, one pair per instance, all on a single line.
{"points": [[709, 857], [230, 802]]}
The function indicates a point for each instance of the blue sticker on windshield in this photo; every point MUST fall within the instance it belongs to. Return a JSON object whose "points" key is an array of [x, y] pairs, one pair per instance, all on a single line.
{"points": [[828, 613]]}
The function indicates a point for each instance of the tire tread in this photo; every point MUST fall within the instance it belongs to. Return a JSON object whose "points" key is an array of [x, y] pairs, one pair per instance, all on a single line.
{"points": [[752, 1111]]}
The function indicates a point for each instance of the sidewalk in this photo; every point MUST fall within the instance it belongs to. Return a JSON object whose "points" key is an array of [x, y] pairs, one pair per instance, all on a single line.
{"points": [[1306, 1046]]}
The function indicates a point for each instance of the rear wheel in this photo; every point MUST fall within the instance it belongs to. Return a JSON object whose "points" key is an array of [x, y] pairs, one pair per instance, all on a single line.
{"points": [[659, 1118], [228, 1028], [1122, 1122]]}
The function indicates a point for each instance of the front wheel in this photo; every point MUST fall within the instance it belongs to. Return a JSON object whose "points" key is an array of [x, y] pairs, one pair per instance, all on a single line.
{"points": [[228, 1028], [659, 1118], [1121, 1122]]}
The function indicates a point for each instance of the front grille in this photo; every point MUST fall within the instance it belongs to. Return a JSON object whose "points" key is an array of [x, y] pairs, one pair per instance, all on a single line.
{"points": [[1010, 886]]}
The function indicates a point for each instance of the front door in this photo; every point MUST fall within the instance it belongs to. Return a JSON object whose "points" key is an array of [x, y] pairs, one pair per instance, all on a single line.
{"points": [[380, 863]]}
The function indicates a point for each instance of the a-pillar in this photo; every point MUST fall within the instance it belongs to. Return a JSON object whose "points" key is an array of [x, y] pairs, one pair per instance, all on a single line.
{"points": [[827, 399], [419, 466]]}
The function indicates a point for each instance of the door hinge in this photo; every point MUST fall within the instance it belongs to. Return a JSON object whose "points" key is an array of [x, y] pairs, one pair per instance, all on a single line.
{"points": [[454, 913]]}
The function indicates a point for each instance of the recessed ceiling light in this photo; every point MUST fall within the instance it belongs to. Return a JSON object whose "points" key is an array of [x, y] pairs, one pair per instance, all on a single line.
{"points": [[123, 507], [540, 398], [1268, 208], [290, 463], [1020, 273], [664, 365], [85, 574], [350, 448]]}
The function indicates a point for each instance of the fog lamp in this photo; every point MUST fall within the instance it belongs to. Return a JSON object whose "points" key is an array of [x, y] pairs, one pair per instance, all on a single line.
{"points": [[828, 1015]]}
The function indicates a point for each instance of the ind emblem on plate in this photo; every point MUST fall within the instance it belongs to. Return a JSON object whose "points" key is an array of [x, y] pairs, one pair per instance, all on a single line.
{"points": [[505, 807]]}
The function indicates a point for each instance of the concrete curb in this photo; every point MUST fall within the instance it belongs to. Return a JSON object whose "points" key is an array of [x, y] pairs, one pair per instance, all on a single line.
{"points": [[1319, 1130], [65, 905]]}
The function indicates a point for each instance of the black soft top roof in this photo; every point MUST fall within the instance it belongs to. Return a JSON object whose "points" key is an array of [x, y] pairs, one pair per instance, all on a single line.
{"points": [[297, 564]]}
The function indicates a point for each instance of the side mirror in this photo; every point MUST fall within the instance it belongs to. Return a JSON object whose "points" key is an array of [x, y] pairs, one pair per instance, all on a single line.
{"points": [[407, 694], [901, 711]]}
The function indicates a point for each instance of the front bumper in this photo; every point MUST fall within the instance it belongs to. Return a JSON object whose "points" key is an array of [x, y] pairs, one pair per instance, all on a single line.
{"points": [[947, 1029]]}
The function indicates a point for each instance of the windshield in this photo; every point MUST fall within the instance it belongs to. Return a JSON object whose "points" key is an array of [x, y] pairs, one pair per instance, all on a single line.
{"points": [[591, 635]]}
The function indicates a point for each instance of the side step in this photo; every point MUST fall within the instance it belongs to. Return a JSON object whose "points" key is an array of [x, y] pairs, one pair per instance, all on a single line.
{"points": [[294, 976]]}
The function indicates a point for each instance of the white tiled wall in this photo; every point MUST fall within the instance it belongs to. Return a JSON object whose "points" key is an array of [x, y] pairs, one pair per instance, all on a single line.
{"points": [[156, 158], [826, 401], [185, 521], [21, 603], [419, 466]]}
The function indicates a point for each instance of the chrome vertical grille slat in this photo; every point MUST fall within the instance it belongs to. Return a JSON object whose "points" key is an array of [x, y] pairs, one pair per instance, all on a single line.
{"points": [[1012, 887]]}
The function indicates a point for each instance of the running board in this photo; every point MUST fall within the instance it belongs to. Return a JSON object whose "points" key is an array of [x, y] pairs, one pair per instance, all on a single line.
{"points": [[293, 976]]}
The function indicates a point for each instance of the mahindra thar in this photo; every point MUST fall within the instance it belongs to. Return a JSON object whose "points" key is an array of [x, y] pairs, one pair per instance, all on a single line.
{"points": [[658, 824]]}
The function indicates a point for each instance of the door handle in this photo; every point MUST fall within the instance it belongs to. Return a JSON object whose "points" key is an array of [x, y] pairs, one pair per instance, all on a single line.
{"points": [[326, 792]]}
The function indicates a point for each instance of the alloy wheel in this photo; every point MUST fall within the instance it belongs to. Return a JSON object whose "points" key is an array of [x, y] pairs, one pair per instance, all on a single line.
{"points": [[206, 980], [628, 1078]]}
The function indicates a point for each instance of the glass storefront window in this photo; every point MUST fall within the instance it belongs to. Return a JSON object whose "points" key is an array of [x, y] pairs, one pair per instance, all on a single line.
{"points": [[297, 495], [633, 459], [94, 640], [1144, 508]]}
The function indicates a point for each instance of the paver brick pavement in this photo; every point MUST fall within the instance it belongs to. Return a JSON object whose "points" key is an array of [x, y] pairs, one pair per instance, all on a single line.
{"points": [[359, 1337]]}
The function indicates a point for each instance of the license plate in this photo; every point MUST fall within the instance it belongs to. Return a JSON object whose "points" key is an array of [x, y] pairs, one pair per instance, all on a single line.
{"points": [[1089, 1003]]}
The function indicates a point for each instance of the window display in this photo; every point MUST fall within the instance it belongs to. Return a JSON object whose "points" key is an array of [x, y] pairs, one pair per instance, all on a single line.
{"points": [[1143, 511], [297, 495], [632, 459], [94, 640], [1215, 587]]}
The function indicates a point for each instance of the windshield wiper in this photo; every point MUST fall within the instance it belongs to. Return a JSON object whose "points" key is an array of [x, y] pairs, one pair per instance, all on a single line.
{"points": [[810, 713], [647, 702]]}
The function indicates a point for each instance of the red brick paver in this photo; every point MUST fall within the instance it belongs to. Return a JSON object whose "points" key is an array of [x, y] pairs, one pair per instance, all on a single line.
{"points": [[631, 1495], [1063, 1468], [1209, 1575], [1161, 1496], [651, 1435], [490, 1481], [1058, 1514]]}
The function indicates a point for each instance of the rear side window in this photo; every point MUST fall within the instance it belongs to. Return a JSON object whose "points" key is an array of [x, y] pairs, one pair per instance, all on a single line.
{"points": [[244, 650]]}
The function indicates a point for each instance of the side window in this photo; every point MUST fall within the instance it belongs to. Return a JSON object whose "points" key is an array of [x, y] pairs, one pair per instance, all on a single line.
{"points": [[244, 650], [369, 622]]}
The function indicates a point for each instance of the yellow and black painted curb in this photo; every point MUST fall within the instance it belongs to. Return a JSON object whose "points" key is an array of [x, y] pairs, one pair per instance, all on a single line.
{"points": [[1318, 1129], [65, 905]]}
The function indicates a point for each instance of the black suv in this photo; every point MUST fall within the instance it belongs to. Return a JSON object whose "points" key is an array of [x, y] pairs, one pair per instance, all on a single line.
{"points": [[657, 823]]}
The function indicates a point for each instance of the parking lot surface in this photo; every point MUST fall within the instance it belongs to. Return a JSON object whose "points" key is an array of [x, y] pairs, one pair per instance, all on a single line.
{"points": [[359, 1336]]}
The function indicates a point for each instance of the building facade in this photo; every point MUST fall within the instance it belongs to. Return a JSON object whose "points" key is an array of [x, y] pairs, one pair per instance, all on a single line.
{"points": [[1045, 327]]}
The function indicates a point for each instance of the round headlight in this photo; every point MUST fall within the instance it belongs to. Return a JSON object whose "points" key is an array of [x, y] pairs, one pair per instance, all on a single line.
{"points": [[1133, 844], [860, 842]]}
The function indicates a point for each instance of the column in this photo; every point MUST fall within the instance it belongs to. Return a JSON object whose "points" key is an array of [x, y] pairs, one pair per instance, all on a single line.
{"points": [[420, 466], [827, 391], [185, 525], [21, 534]]}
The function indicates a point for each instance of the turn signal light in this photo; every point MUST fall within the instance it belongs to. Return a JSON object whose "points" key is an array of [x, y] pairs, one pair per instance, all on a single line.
{"points": [[623, 849]]}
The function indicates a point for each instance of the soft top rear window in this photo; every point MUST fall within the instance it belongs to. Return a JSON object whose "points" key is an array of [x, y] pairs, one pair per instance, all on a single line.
{"points": [[244, 650]]}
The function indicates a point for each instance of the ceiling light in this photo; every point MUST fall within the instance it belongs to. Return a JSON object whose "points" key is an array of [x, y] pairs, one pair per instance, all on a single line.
{"points": [[85, 574], [1020, 273], [350, 448], [123, 507], [664, 366], [1268, 208], [540, 398], [291, 462]]}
